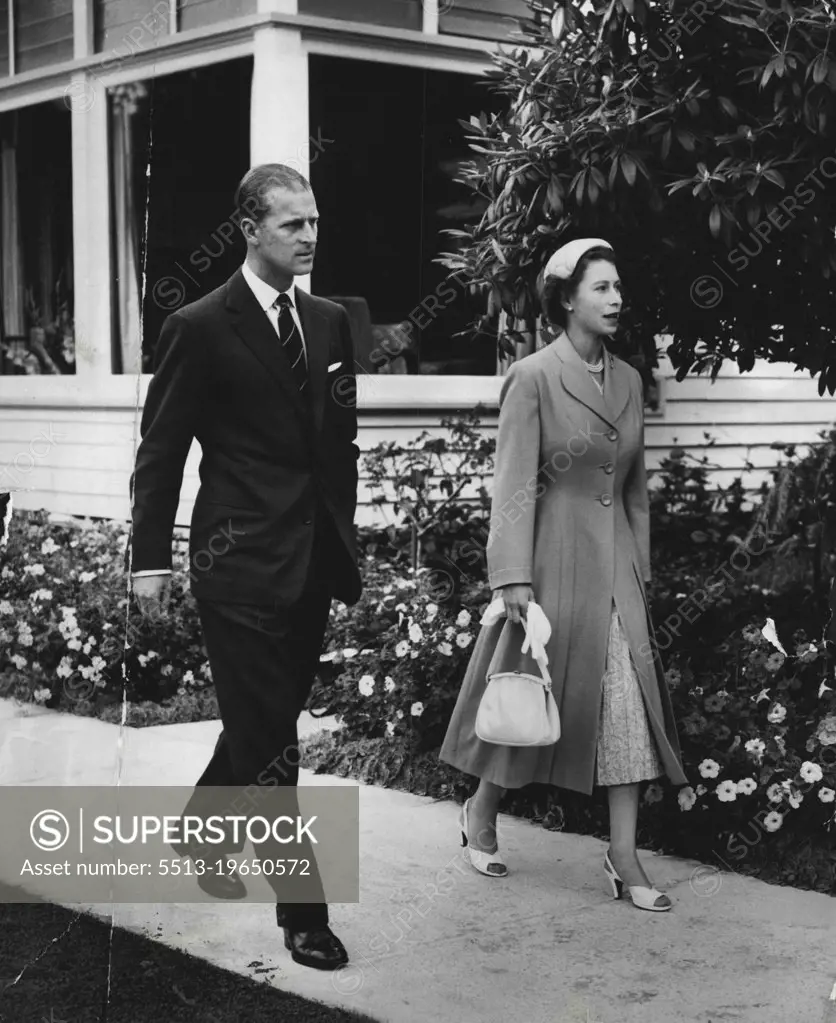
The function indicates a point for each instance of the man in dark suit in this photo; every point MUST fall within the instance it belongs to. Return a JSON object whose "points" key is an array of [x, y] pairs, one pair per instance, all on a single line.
{"points": [[261, 374]]}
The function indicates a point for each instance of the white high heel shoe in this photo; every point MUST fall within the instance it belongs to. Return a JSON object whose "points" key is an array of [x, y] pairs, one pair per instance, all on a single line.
{"points": [[642, 898], [489, 864]]}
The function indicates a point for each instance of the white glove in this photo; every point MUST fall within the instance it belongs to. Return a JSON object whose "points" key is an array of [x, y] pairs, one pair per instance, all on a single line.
{"points": [[537, 628]]}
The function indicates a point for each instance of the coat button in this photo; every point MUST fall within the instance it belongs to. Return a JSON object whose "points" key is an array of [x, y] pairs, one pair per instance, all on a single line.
{"points": [[609, 468], [606, 500], [612, 434], [307, 522]]}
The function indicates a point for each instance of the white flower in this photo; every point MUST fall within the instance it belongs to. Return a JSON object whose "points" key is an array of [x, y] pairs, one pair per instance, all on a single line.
{"points": [[41, 695], [777, 713], [463, 640], [390, 728], [389, 684], [687, 797], [770, 634], [826, 795], [64, 670], [399, 714], [701, 790], [188, 677], [746, 786], [18, 661], [756, 747], [810, 772], [432, 611], [445, 649], [727, 791], [775, 793], [417, 709], [449, 632], [86, 648], [166, 670], [41, 595], [6, 608], [463, 619], [415, 633], [327, 658], [823, 688], [87, 577], [402, 649], [34, 569], [709, 769], [772, 821], [25, 638], [7, 573], [49, 546], [366, 685], [349, 652], [795, 799]]}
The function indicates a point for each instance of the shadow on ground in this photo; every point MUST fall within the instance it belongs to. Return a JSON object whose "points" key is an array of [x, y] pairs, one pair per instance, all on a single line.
{"points": [[60, 966]]}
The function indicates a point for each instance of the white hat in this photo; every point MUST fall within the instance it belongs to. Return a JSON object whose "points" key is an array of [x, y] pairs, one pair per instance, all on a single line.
{"points": [[562, 264]]}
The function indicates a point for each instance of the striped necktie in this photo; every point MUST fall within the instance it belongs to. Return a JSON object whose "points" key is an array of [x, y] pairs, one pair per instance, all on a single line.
{"points": [[291, 341]]}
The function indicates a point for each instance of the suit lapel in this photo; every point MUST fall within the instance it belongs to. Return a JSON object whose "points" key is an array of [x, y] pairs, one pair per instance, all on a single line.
{"points": [[577, 381], [251, 324], [315, 329]]}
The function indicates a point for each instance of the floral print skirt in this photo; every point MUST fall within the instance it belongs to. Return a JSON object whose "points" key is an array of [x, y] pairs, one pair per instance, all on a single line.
{"points": [[626, 749]]}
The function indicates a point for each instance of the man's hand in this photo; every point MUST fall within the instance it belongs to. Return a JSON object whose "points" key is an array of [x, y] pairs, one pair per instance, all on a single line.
{"points": [[152, 593], [516, 599]]}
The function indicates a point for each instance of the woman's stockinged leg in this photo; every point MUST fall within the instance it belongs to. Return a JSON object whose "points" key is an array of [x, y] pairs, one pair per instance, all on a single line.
{"points": [[482, 811], [624, 812]]}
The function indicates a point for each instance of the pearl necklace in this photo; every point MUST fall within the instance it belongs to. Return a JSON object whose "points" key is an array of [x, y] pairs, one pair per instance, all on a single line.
{"points": [[594, 367]]}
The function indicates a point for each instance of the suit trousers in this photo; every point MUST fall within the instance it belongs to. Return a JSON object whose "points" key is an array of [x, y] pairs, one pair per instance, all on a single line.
{"points": [[263, 660]]}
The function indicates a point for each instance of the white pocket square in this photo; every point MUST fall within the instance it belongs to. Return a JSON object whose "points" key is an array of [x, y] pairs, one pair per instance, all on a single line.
{"points": [[333, 366]]}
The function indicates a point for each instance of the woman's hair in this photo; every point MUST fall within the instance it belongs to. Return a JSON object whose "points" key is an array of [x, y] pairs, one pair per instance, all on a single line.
{"points": [[556, 290]]}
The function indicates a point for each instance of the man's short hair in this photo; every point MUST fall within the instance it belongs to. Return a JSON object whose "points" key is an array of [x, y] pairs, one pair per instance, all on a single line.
{"points": [[252, 192]]}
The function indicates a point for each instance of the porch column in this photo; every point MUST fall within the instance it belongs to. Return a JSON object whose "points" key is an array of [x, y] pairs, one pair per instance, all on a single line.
{"points": [[82, 28], [279, 116], [87, 99], [431, 11]]}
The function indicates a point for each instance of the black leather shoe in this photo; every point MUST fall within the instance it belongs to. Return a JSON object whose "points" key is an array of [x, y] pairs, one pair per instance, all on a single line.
{"points": [[226, 885], [222, 886], [318, 948]]}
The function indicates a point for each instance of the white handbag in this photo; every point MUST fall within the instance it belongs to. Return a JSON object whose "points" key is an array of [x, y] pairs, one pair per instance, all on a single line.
{"points": [[518, 709]]}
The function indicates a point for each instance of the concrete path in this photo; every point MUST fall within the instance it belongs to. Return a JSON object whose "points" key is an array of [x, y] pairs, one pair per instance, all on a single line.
{"points": [[433, 941]]}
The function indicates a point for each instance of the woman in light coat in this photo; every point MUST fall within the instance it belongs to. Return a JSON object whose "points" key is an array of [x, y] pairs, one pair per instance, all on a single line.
{"points": [[570, 529]]}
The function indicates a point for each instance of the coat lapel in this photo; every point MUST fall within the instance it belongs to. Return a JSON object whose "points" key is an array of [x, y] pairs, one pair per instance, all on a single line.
{"points": [[254, 328], [577, 381], [315, 329]]}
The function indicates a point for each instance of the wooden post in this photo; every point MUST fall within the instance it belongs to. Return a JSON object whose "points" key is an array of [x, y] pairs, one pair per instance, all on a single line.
{"points": [[86, 98], [279, 116]]}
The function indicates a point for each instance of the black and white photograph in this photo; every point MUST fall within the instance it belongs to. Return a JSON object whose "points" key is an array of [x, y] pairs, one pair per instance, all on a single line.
{"points": [[417, 511]]}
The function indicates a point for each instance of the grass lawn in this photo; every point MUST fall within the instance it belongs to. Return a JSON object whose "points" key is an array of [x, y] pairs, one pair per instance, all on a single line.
{"points": [[59, 966]]}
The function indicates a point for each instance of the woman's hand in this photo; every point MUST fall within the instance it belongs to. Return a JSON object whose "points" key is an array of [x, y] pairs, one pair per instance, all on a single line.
{"points": [[516, 597]]}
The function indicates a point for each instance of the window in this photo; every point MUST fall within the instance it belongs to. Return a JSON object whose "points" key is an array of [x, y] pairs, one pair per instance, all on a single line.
{"points": [[384, 175], [179, 144], [36, 240]]}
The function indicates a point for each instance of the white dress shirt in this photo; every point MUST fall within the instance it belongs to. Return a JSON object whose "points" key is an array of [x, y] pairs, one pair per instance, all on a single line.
{"points": [[265, 295]]}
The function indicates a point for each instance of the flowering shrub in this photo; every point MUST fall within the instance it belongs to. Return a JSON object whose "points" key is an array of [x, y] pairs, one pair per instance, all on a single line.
{"points": [[69, 640], [394, 661], [759, 746]]}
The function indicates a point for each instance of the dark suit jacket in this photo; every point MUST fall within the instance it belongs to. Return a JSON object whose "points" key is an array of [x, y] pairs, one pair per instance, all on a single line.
{"points": [[272, 466]]}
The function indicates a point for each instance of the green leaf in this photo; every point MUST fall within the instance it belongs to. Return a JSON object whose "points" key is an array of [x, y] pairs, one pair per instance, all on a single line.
{"points": [[714, 221], [628, 168], [727, 105], [775, 177]]}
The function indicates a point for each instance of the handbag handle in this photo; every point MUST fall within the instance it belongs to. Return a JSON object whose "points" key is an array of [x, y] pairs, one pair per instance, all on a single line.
{"points": [[544, 671]]}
